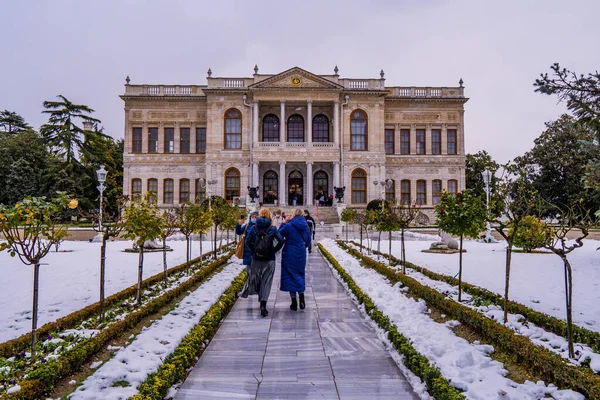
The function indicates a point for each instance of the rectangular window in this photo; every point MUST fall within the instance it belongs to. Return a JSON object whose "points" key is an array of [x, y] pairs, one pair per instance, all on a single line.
{"points": [[389, 141], [453, 186], [201, 140], [233, 133], [184, 146], [421, 192], [436, 191], [420, 141], [390, 192], [152, 190], [452, 141], [169, 140], [405, 191], [153, 140], [168, 191], [200, 191], [359, 190], [184, 191], [358, 140], [137, 140], [436, 141], [405, 141], [136, 189]]}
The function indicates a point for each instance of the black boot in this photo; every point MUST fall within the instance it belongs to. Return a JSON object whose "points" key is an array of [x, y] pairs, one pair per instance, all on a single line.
{"points": [[263, 309], [294, 305], [302, 305]]}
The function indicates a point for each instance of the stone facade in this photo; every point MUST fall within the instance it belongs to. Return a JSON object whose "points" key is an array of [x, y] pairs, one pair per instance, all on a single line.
{"points": [[294, 135]]}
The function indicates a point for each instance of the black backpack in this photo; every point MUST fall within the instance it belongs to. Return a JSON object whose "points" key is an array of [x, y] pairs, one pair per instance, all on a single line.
{"points": [[263, 245]]}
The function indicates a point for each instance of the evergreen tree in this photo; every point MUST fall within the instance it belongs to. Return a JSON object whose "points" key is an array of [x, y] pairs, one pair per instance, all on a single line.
{"points": [[475, 165], [13, 123]]}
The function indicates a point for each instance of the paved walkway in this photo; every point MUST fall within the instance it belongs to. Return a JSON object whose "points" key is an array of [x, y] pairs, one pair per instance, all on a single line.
{"points": [[327, 351]]}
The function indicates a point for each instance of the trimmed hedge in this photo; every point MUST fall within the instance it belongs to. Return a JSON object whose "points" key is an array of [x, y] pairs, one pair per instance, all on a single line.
{"points": [[437, 386], [549, 323], [541, 361], [14, 346], [175, 366], [39, 382]]}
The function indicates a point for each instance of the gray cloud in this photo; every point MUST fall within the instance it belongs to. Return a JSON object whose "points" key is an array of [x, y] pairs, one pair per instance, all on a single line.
{"points": [[84, 50]]}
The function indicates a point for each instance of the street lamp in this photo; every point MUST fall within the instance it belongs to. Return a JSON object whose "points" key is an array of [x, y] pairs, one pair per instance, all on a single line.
{"points": [[207, 183], [101, 173], [487, 177], [384, 184]]}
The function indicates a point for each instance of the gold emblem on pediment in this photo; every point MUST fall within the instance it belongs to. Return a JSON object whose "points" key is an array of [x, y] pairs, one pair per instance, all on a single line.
{"points": [[296, 81]]}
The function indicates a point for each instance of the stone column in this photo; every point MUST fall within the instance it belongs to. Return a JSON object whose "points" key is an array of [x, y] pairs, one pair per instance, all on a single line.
{"points": [[282, 123], [161, 138], [413, 139], [309, 183], [444, 142], [255, 180], [397, 140], [145, 133], [336, 174], [282, 189], [192, 138], [309, 122], [255, 138], [336, 123], [177, 138], [428, 149]]}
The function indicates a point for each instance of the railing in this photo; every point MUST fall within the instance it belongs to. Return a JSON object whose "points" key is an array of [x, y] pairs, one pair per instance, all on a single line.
{"points": [[233, 83], [296, 144], [268, 144], [427, 92], [323, 144], [363, 84], [164, 90]]}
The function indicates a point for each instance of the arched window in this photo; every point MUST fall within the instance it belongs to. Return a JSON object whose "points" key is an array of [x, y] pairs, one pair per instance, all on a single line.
{"points": [[232, 184], [421, 192], [405, 195], [168, 191], [359, 186], [321, 185], [453, 186], [436, 191], [153, 190], [233, 129], [390, 192], [184, 191], [136, 189], [358, 130], [200, 191], [270, 187], [295, 128], [320, 128], [270, 128]]}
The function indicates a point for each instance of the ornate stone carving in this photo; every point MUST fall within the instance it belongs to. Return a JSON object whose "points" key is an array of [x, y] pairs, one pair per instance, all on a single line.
{"points": [[162, 115], [421, 171], [452, 117], [201, 115], [389, 116], [428, 117], [452, 170], [136, 115]]}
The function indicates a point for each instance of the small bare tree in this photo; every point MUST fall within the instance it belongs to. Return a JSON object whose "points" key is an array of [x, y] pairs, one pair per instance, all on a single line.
{"points": [[169, 229], [403, 214]]}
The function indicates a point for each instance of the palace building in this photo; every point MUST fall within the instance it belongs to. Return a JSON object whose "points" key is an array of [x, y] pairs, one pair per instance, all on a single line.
{"points": [[296, 135]]}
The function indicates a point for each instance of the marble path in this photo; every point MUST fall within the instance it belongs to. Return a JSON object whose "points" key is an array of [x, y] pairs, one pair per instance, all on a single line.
{"points": [[327, 351]]}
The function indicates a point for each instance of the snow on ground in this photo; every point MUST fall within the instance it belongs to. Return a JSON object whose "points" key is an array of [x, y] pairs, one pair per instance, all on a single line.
{"points": [[132, 364], [70, 280], [537, 280], [468, 366], [517, 323]]}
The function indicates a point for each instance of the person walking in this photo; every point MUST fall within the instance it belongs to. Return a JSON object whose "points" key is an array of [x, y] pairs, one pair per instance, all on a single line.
{"points": [[297, 237], [264, 241], [311, 223], [242, 228]]}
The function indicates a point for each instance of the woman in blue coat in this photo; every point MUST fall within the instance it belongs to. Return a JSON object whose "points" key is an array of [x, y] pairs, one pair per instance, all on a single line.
{"points": [[297, 237], [240, 229]]}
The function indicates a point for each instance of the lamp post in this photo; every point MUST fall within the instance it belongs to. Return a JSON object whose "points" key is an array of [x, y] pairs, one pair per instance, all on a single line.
{"points": [[384, 184], [101, 174], [487, 177], [207, 183]]}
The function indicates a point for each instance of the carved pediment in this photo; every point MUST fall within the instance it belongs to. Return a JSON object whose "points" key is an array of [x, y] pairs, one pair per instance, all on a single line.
{"points": [[296, 78]]}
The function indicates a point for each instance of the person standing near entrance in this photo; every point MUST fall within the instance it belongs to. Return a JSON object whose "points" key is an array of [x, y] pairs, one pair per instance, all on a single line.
{"points": [[264, 241], [297, 237]]}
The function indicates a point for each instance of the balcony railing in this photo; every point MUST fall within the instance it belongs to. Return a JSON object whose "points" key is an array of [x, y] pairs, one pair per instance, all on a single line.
{"points": [[427, 92], [362, 84], [297, 144], [163, 90]]}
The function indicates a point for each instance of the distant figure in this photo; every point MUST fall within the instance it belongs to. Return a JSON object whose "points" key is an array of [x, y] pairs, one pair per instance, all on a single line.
{"points": [[293, 257], [312, 225], [242, 228], [264, 240]]}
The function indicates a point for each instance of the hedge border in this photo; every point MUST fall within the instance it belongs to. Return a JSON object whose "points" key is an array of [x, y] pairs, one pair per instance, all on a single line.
{"points": [[39, 382], [437, 386], [14, 346], [174, 368], [542, 361], [549, 323]]}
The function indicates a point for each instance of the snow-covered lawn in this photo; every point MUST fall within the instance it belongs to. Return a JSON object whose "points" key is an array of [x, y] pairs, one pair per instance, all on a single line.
{"points": [[467, 365], [537, 280], [70, 280], [131, 365]]}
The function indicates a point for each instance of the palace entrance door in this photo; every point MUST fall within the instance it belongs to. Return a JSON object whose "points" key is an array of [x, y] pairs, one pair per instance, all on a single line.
{"points": [[295, 188]]}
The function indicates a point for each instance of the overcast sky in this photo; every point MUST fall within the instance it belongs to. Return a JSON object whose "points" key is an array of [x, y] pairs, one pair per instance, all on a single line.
{"points": [[84, 49]]}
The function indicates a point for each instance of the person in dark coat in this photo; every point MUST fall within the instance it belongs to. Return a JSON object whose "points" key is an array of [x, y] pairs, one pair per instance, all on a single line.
{"points": [[297, 237], [311, 223], [242, 227], [262, 270]]}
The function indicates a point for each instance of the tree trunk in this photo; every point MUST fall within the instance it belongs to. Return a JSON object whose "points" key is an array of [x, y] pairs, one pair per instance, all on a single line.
{"points": [[34, 317], [102, 276], [201, 249], [361, 245], [165, 259], [507, 282], [460, 269], [221, 239], [569, 301], [215, 243], [187, 250], [379, 245], [346, 232], [390, 248], [403, 251], [140, 274]]}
